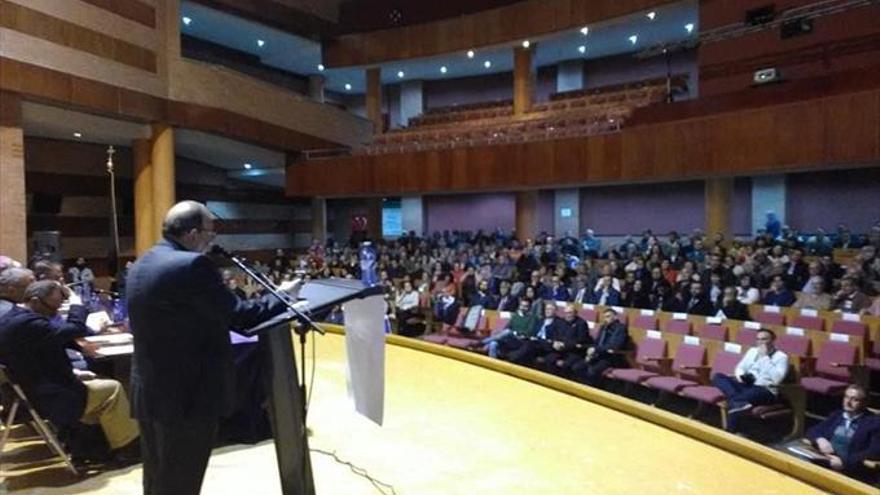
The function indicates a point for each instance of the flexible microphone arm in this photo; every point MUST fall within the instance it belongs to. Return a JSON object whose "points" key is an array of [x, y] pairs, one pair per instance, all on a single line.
{"points": [[268, 285]]}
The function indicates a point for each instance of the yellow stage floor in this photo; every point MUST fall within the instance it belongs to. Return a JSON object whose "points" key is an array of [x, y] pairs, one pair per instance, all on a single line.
{"points": [[455, 428]]}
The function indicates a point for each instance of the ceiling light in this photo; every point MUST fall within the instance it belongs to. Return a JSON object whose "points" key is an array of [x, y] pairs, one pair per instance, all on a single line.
{"points": [[651, 15], [247, 166], [470, 54], [260, 43], [526, 44], [443, 69], [585, 30], [689, 27], [487, 64], [77, 135], [347, 87], [633, 39], [321, 67], [582, 49], [186, 20], [400, 74]]}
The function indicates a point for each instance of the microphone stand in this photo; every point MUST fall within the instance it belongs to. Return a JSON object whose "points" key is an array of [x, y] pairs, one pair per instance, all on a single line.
{"points": [[302, 317]]}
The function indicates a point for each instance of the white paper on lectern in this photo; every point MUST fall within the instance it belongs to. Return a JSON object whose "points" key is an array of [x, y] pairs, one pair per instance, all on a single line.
{"points": [[365, 349]]}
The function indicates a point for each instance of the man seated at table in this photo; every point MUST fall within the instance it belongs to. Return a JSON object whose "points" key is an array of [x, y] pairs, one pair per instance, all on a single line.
{"points": [[849, 436], [756, 378], [32, 347], [13, 282]]}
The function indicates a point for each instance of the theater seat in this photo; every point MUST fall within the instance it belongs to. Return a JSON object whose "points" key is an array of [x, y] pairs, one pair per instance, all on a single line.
{"points": [[834, 366], [650, 361], [688, 367]]}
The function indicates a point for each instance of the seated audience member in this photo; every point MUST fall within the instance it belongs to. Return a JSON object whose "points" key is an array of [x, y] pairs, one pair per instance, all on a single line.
{"points": [[559, 290], [796, 271], [482, 297], [778, 294], [817, 299], [407, 312], [698, 303], [571, 350], [522, 326], [506, 301], [13, 282], [756, 378], [849, 436], [232, 284], [550, 332], [604, 354], [606, 295], [849, 299], [816, 273], [446, 309], [635, 296], [745, 292], [581, 291], [32, 346], [729, 306]]}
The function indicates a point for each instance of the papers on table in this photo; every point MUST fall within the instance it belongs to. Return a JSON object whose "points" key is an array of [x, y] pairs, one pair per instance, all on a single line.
{"points": [[98, 320], [116, 350], [111, 339]]}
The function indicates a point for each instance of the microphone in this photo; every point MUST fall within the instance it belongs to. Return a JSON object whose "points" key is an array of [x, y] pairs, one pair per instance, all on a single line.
{"points": [[218, 250]]}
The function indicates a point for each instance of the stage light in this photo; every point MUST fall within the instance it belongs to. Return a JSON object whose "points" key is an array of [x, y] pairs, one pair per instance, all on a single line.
{"points": [[585, 30], [470, 54], [487, 64], [347, 87], [260, 43], [526, 44], [443, 69], [634, 39], [582, 49], [651, 15], [689, 27], [248, 166], [400, 74], [186, 20], [77, 135], [321, 67]]}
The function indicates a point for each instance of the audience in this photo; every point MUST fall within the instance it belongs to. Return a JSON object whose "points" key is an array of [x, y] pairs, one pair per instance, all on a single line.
{"points": [[756, 379], [849, 436], [604, 354]]}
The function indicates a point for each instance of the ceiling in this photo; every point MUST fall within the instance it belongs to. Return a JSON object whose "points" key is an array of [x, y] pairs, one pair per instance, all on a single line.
{"points": [[302, 56], [267, 166]]}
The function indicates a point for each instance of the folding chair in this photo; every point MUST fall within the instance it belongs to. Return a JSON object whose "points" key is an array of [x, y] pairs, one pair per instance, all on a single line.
{"points": [[40, 425]]}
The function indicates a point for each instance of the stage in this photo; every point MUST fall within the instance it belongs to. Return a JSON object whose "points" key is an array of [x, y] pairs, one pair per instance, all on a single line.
{"points": [[457, 428]]}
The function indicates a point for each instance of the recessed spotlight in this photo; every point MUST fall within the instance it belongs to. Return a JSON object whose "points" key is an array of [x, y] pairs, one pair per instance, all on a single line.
{"points": [[443, 69], [77, 135], [651, 15], [487, 64], [689, 27], [400, 74], [470, 54], [634, 39], [347, 87], [585, 30], [248, 166], [260, 43], [321, 67], [582, 49], [186, 20], [526, 44]]}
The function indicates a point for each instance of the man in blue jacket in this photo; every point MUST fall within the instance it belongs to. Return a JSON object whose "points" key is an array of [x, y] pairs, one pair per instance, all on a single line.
{"points": [[849, 436], [182, 374]]}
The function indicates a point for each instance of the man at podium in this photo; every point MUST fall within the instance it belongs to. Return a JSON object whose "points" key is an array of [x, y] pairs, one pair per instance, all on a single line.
{"points": [[182, 370]]}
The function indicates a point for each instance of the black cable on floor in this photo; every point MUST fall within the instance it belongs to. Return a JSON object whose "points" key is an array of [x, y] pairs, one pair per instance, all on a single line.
{"points": [[380, 486]]}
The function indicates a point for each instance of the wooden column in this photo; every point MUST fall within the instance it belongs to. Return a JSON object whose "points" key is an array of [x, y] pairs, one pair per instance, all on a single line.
{"points": [[374, 99], [523, 79], [13, 198], [144, 224], [374, 218], [319, 219], [719, 201], [526, 215], [162, 165]]}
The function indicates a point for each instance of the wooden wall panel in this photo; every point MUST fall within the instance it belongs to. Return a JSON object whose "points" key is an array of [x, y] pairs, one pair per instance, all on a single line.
{"points": [[130, 9], [838, 130], [506, 24]]}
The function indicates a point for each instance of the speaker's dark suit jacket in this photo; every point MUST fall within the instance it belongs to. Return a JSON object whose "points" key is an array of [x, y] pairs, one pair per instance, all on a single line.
{"points": [[32, 347], [180, 314]]}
